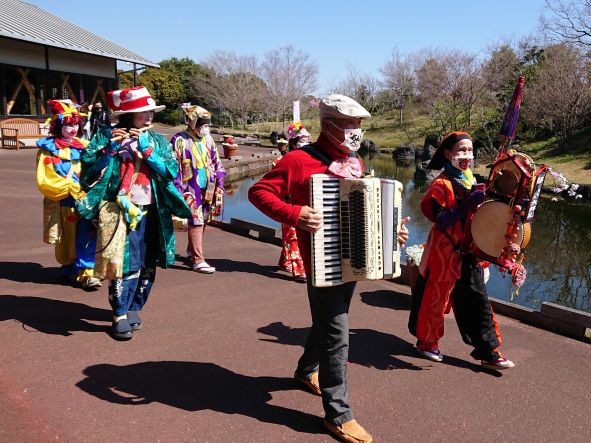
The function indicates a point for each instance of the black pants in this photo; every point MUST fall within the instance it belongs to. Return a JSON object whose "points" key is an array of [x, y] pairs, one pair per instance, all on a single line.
{"points": [[472, 310], [327, 348]]}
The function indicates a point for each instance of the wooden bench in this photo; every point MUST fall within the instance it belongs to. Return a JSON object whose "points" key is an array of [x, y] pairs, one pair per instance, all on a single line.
{"points": [[13, 130]]}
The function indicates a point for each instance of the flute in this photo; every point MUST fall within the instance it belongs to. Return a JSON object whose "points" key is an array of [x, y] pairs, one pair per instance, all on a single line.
{"points": [[126, 135]]}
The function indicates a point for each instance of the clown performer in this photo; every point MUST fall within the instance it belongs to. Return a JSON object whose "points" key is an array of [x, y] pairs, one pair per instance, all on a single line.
{"points": [[200, 180], [297, 136], [322, 368], [129, 170], [449, 276], [58, 172]]}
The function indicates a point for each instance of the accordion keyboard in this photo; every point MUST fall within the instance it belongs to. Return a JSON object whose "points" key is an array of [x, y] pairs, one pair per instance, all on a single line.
{"points": [[357, 240]]}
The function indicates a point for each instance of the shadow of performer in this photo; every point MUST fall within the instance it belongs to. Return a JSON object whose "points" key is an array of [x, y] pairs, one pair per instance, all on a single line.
{"points": [[387, 299], [367, 347], [195, 386], [225, 265], [28, 272], [53, 316]]}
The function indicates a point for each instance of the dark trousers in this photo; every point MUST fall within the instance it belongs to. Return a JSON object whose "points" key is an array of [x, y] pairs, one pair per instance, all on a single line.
{"points": [[472, 310], [327, 348], [131, 292]]}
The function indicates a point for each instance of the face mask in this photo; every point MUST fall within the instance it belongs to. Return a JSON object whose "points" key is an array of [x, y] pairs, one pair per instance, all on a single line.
{"points": [[352, 139], [462, 161], [204, 131]]}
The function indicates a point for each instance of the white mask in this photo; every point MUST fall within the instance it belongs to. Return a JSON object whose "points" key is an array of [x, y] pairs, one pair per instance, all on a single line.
{"points": [[204, 131], [462, 161], [353, 139]]}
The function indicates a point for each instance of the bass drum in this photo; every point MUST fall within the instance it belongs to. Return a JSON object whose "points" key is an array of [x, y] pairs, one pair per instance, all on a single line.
{"points": [[489, 229]]}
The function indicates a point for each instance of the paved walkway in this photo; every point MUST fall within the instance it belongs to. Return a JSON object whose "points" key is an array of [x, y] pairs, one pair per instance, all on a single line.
{"points": [[215, 357]]}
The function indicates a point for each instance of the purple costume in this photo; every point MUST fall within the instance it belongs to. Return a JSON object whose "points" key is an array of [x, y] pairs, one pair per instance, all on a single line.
{"points": [[200, 174]]}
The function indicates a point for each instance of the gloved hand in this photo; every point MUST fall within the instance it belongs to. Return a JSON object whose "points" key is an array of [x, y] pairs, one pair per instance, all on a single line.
{"points": [[113, 148], [131, 212], [143, 141], [475, 198]]}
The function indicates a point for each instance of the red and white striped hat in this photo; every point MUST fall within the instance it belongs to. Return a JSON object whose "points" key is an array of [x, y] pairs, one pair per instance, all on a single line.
{"points": [[136, 99]]}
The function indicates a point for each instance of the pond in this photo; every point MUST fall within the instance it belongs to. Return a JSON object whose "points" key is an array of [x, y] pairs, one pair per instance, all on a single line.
{"points": [[558, 257]]}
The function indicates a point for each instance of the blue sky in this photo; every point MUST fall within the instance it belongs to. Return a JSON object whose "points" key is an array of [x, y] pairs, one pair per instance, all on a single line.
{"points": [[334, 33]]}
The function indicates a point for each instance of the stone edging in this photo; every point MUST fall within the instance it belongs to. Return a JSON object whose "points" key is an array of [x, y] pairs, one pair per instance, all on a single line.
{"points": [[551, 317]]}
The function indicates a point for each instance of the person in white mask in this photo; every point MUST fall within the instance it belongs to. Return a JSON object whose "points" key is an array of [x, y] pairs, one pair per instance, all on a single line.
{"points": [[322, 367], [200, 180], [450, 275]]}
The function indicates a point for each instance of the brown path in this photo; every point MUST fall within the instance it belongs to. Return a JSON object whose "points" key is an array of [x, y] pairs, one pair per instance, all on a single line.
{"points": [[215, 358]]}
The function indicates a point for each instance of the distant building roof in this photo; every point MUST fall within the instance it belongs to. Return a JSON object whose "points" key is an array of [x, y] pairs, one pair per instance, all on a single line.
{"points": [[23, 21]]}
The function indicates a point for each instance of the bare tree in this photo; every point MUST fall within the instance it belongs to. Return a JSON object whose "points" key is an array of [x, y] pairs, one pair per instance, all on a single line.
{"points": [[569, 21], [399, 79], [560, 99], [233, 83], [450, 84], [363, 88], [290, 74]]}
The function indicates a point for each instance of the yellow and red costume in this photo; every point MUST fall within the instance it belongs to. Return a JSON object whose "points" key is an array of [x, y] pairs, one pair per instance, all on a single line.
{"points": [[58, 175]]}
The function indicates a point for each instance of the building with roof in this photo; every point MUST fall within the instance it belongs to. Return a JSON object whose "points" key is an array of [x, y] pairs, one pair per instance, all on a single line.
{"points": [[44, 57]]}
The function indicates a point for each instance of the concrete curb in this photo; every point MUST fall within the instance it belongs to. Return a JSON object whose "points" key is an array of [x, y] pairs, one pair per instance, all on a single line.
{"points": [[551, 317]]}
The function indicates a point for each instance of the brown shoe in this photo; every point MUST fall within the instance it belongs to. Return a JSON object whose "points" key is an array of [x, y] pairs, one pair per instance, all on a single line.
{"points": [[350, 432], [312, 383]]}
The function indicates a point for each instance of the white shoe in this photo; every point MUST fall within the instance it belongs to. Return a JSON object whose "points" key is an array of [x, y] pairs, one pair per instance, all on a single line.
{"points": [[203, 268], [433, 354], [499, 363], [90, 283]]}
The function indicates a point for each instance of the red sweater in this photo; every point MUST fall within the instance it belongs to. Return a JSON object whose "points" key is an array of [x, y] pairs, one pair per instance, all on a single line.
{"points": [[291, 177]]}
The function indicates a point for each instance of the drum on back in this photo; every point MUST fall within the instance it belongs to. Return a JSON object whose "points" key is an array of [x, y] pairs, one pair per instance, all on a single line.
{"points": [[501, 226]]}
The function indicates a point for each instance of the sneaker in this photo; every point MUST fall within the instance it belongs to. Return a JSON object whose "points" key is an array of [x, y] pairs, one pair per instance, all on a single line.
{"points": [[203, 268], [121, 329], [134, 320], [311, 383], [350, 432], [90, 283], [499, 363], [432, 354], [300, 278]]}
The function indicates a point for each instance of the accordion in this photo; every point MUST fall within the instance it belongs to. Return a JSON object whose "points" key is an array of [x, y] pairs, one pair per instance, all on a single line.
{"points": [[358, 239]]}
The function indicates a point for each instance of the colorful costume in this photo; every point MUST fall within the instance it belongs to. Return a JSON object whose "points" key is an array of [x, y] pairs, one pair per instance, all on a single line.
{"points": [[58, 172], [200, 179], [114, 189], [450, 277], [290, 259]]}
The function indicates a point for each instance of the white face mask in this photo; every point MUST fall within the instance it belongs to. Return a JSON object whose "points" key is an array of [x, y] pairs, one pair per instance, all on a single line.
{"points": [[352, 139], [462, 161], [204, 131]]}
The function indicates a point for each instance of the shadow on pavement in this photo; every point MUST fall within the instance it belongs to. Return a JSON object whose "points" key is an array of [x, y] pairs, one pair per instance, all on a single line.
{"points": [[387, 299], [226, 265], [367, 347], [195, 386], [32, 273], [373, 349], [52, 316]]}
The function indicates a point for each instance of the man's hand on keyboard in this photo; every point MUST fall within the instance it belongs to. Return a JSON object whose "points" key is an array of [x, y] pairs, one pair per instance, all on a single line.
{"points": [[310, 219]]}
